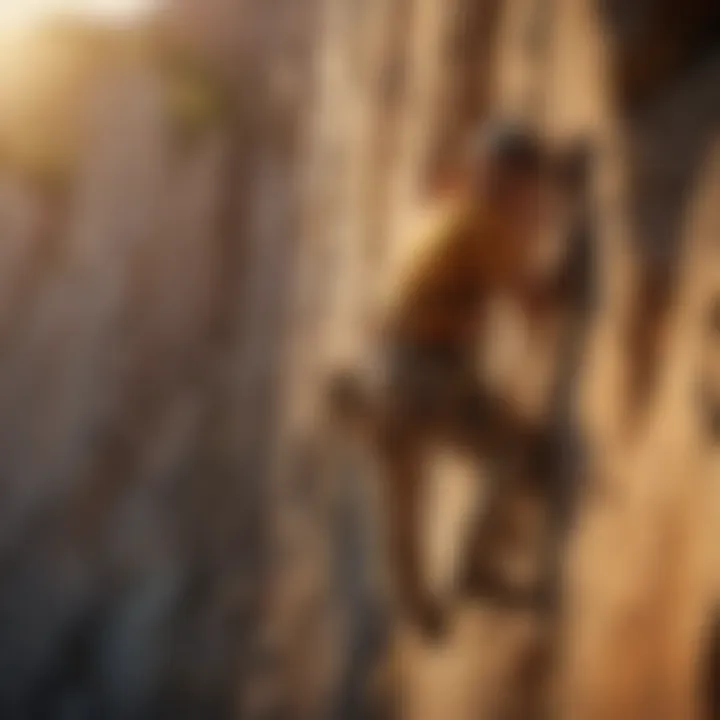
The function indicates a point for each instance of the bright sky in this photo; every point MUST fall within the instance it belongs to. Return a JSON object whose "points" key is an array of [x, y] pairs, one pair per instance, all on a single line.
{"points": [[17, 14]]}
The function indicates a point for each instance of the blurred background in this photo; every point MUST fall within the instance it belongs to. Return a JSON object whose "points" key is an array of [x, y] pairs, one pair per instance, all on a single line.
{"points": [[196, 199]]}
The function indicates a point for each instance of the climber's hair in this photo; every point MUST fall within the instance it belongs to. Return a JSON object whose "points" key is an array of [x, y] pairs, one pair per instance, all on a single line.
{"points": [[508, 146]]}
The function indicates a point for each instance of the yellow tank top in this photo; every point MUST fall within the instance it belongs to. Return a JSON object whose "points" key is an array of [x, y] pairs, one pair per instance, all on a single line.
{"points": [[434, 289]]}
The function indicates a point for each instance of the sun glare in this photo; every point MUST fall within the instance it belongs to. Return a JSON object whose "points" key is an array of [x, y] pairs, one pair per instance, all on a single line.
{"points": [[21, 14]]}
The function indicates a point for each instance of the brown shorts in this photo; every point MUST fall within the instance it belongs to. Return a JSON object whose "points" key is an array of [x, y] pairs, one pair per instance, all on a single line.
{"points": [[425, 386], [437, 390]]}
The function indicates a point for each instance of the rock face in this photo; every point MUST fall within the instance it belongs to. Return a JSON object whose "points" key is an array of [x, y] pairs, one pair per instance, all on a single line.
{"points": [[574, 67], [143, 307], [193, 244]]}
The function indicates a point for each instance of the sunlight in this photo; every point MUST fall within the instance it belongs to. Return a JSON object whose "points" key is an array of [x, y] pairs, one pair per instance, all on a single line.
{"points": [[21, 14]]}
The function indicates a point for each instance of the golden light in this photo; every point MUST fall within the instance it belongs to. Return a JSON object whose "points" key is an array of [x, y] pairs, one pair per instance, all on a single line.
{"points": [[23, 14], [35, 66]]}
